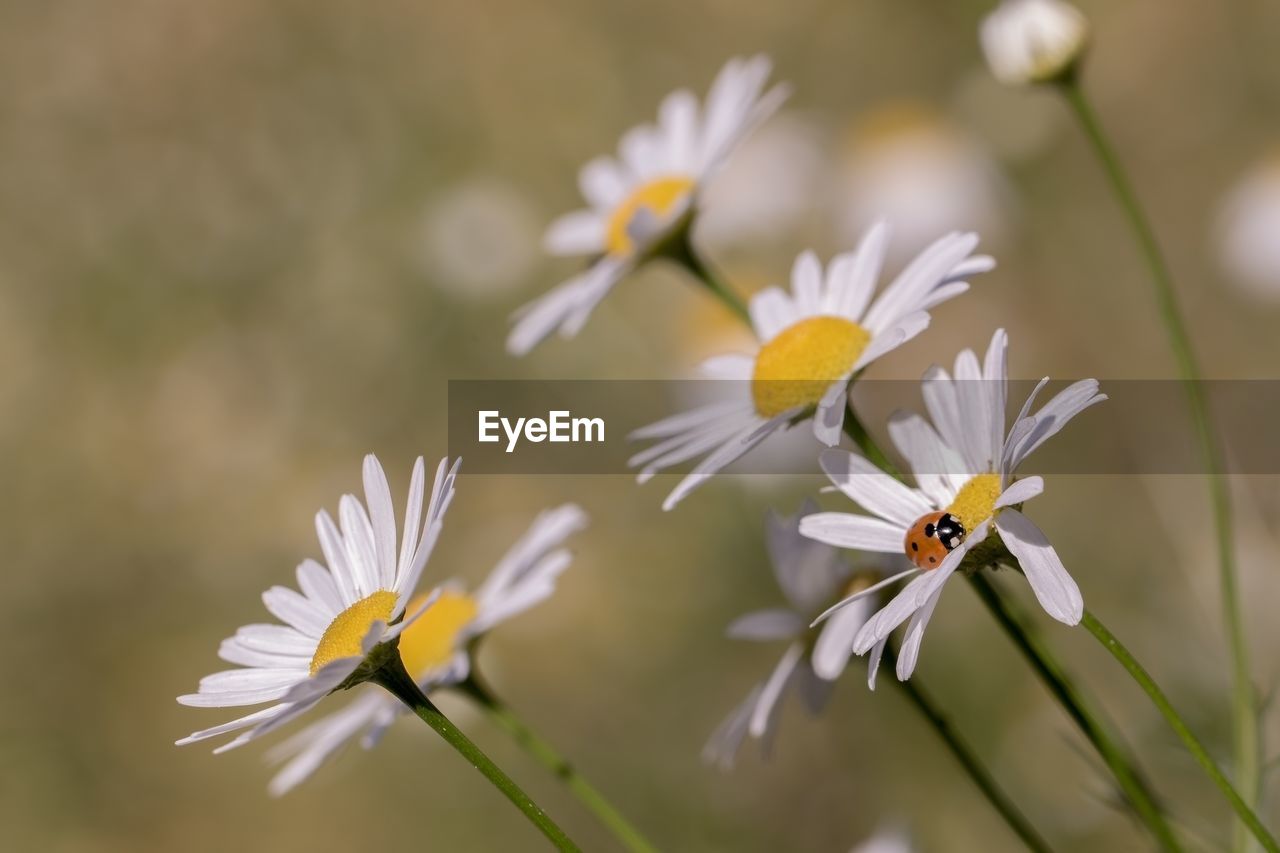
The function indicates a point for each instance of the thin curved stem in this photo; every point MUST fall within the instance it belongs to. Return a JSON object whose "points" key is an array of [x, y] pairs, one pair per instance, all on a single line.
{"points": [[546, 755], [1244, 705], [1133, 786], [683, 253], [854, 428], [969, 761], [1180, 728], [400, 684]]}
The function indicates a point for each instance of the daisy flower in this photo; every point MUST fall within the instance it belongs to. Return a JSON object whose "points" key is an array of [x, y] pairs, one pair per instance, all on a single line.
{"points": [[964, 465], [335, 628], [811, 576], [812, 343], [642, 200], [437, 649], [1033, 41]]}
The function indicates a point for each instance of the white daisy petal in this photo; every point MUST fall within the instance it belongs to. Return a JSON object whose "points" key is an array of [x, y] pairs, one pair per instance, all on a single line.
{"points": [[928, 270], [764, 625], [762, 714], [737, 446], [834, 645], [909, 653], [859, 532], [863, 593], [722, 747], [1020, 492], [603, 183], [731, 367], [772, 310], [581, 232], [317, 584], [903, 330], [1055, 589], [873, 662], [937, 468], [856, 280], [874, 490], [295, 610], [306, 751], [828, 418], [806, 284], [678, 117]]}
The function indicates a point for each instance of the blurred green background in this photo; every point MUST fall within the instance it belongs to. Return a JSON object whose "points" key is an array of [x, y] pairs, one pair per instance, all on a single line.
{"points": [[243, 243]]}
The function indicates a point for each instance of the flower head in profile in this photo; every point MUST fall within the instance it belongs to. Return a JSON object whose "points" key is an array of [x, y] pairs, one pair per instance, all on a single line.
{"points": [[813, 341], [811, 575], [964, 465], [641, 201], [437, 649], [337, 628], [1033, 41]]}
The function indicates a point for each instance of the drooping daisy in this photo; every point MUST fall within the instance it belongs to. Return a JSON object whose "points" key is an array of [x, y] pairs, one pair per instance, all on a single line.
{"points": [[964, 465], [1033, 41], [811, 576], [345, 612], [812, 343], [437, 649], [643, 198]]}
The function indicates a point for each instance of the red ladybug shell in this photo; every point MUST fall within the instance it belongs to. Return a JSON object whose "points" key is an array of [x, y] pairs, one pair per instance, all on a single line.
{"points": [[931, 538]]}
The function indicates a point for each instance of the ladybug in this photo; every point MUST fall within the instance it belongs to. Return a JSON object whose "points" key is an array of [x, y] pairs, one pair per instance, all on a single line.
{"points": [[931, 538]]}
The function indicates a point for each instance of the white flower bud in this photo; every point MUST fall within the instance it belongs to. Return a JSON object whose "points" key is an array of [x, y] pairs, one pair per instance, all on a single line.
{"points": [[1033, 41]]}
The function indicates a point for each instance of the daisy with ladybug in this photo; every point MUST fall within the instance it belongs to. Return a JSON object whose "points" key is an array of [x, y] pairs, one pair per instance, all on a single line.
{"points": [[964, 463]]}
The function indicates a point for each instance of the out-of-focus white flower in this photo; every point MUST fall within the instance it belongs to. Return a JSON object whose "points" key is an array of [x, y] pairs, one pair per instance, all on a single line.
{"points": [[1033, 41], [437, 649], [767, 189], [964, 465], [811, 575], [1248, 232], [343, 616], [811, 343], [642, 199], [908, 165], [886, 841], [477, 239]]}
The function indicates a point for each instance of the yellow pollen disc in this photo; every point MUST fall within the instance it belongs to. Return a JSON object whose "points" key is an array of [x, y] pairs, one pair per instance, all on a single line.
{"points": [[659, 197], [344, 635], [976, 501], [795, 368], [429, 642]]}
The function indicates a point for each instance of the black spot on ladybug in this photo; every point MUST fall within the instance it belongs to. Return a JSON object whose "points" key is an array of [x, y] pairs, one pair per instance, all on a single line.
{"points": [[915, 546]]}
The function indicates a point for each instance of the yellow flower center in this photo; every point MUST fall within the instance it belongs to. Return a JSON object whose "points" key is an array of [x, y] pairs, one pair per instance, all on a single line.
{"points": [[344, 635], [976, 501], [795, 368], [429, 642], [658, 198]]}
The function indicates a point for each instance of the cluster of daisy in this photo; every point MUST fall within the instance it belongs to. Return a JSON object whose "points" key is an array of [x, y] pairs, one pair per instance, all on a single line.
{"points": [[813, 342], [960, 512]]}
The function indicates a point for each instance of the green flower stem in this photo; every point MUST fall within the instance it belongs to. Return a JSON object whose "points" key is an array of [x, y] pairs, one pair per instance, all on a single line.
{"points": [[1135, 789], [1180, 728], [854, 428], [681, 251], [1245, 708], [626, 834], [968, 760], [400, 684]]}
